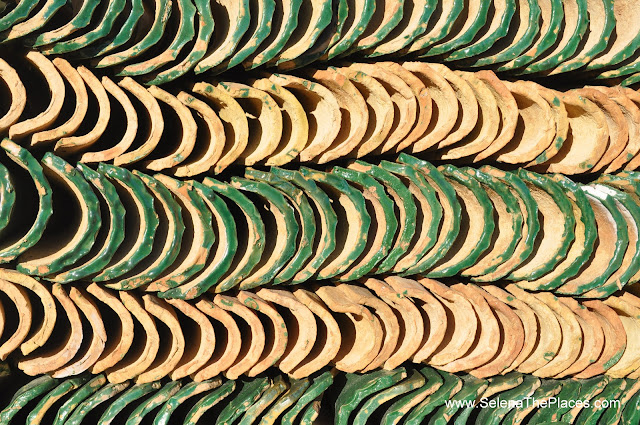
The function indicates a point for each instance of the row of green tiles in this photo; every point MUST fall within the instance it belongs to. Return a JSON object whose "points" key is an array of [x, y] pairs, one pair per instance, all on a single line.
{"points": [[129, 230], [408, 395], [596, 37]]}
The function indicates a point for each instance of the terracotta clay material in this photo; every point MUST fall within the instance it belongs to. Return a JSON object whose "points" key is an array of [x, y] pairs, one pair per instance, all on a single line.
{"points": [[627, 100], [561, 117], [18, 95], [628, 314], [20, 299]]}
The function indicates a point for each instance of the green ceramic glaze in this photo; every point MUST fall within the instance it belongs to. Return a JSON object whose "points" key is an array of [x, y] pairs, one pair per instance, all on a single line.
{"points": [[37, 264], [206, 26], [488, 40], [326, 220], [216, 266], [243, 265], [34, 23], [209, 401], [45, 208], [621, 55], [560, 198], [590, 415], [170, 247], [268, 397], [439, 30], [320, 384], [488, 265], [377, 35], [7, 197], [253, 39], [185, 33], [249, 392], [162, 13], [367, 183], [99, 256], [273, 198], [427, 226], [503, 53], [630, 81], [134, 393], [547, 389], [407, 221], [359, 387], [401, 407], [446, 195], [305, 219], [450, 387], [103, 395], [613, 414], [631, 411], [414, 381], [622, 241], [192, 389], [221, 49], [629, 67], [493, 415], [80, 20], [589, 388], [286, 400], [19, 13], [100, 31], [32, 390], [352, 249], [124, 34], [156, 400], [358, 26], [471, 390], [570, 387], [53, 396], [311, 413], [132, 184], [78, 397]]}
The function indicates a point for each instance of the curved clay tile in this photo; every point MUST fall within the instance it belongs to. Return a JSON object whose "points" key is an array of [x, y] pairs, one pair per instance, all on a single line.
{"points": [[634, 96], [80, 98], [412, 25], [199, 346], [131, 117], [187, 135], [432, 311], [233, 119], [361, 330], [628, 101], [34, 23], [48, 359], [324, 349], [116, 348], [42, 334], [156, 123], [323, 113], [230, 341], [253, 344], [511, 342], [213, 138], [301, 328], [276, 332], [56, 89], [144, 346], [81, 17], [355, 115], [20, 299], [84, 360], [630, 359], [18, 96]]}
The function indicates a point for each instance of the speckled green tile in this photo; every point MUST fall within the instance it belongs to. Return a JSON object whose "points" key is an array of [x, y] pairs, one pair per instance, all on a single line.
{"points": [[631, 411], [153, 35], [248, 392], [589, 388], [7, 197], [111, 233], [443, 20], [547, 193], [153, 402], [428, 217], [591, 414], [547, 390], [383, 217], [280, 225], [476, 237], [361, 18], [630, 81], [18, 14], [225, 41], [46, 402], [165, 249], [80, 19], [249, 253], [450, 387], [78, 397], [507, 231], [209, 401], [588, 279], [32, 390], [190, 390], [324, 243], [255, 35], [184, 34], [136, 247], [103, 395], [550, 413], [380, 25], [18, 244], [493, 415], [130, 396], [294, 392], [497, 29], [42, 259], [220, 259], [451, 213], [268, 397], [432, 381], [472, 389], [304, 218], [628, 67], [33, 23], [311, 412], [359, 387], [613, 414], [352, 241], [320, 384]]}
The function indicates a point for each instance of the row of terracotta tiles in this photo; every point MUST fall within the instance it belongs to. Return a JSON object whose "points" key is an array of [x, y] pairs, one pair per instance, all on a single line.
{"points": [[484, 331], [319, 116], [408, 394], [521, 37], [129, 230]]}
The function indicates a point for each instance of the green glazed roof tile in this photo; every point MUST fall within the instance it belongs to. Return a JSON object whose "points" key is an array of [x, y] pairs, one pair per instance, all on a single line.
{"points": [[192, 389], [78, 397], [53, 396], [80, 20], [209, 401], [450, 387], [268, 397], [134, 393], [153, 402], [7, 197], [101, 396], [285, 401], [591, 414], [589, 388], [251, 42], [613, 414], [361, 19], [401, 407], [24, 395], [246, 395], [472, 389], [440, 27], [18, 14], [125, 33], [546, 390], [378, 28], [493, 416], [552, 413], [34, 23]]}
